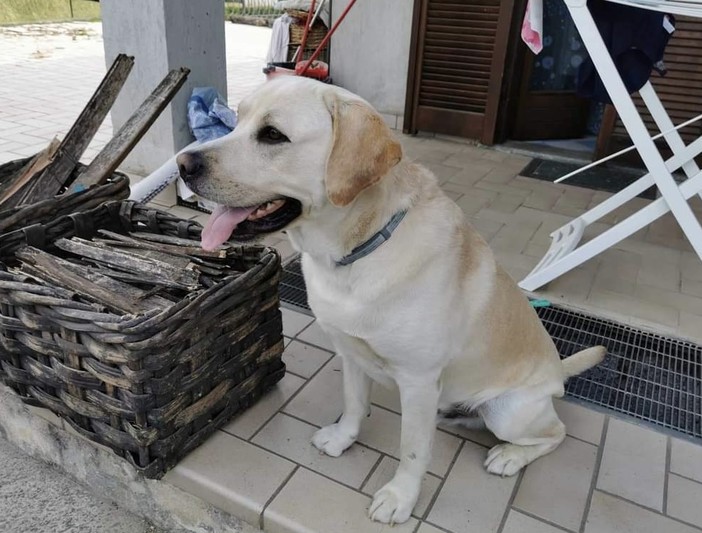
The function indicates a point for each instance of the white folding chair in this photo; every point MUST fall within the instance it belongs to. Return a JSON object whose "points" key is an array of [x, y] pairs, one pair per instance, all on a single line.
{"points": [[566, 252]]}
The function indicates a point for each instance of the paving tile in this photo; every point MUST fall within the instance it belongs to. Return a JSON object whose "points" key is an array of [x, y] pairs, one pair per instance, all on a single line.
{"points": [[428, 528], [233, 475], [686, 459], [629, 307], [313, 334], [167, 197], [684, 498], [633, 464], [507, 203], [471, 174], [580, 422], [574, 286], [285, 249], [387, 397], [385, 472], [321, 401], [469, 157], [691, 287], [474, 201], [381, 431], [291, 438], [676, 300], [310, 503], [520, 523], [303, 359], [691, 266], [442, 172], [689, 327], [662, 275], [484, 437], [487, 228], [618, 271], [251, 420], [512, 238], [613, 515], [471, 500], [556, 487], [293, 322]]}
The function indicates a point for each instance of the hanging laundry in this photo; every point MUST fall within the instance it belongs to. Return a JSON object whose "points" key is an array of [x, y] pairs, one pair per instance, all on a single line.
{"points": [[532, 25], [280, 39], [636, 39]]}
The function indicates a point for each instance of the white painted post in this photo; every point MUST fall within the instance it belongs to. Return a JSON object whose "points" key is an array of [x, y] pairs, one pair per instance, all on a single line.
{"points": [[163, 35]]}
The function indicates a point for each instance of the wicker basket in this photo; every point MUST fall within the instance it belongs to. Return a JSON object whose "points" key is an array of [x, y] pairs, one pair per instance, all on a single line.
{"points": [[314, 38], [39, 212], [152, 386]]}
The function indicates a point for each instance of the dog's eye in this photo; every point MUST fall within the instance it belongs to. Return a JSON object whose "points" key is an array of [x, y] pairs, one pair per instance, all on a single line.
{"points": [[270, 135]]}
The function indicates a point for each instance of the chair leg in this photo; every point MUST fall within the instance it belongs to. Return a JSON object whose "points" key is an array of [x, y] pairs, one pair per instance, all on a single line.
{"points": [[549, 271], [634, 124]]}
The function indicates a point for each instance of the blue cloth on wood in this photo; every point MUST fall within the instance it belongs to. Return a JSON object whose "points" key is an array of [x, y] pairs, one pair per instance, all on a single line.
{"points": [[636, 39], [208, 116]]}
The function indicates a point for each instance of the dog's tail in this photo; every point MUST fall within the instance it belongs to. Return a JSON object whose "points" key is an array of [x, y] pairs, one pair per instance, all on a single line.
{"points": [[581, 361]]}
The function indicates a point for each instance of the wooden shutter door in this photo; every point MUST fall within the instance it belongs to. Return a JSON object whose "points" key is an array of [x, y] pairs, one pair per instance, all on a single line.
{"points": [[456, 66]]}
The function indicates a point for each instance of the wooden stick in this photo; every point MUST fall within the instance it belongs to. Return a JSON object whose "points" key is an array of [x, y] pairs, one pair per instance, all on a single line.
{"points": [[109, 158], [57, 173], [53, 269], [150, 268], [13, 193], [163, 247]]}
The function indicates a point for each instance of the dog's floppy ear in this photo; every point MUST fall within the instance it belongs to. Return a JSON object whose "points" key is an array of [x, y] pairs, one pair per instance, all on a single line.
{"points": [[363, 150]]}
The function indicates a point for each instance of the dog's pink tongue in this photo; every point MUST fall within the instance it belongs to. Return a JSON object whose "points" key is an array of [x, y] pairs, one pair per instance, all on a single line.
{"points": [[221, 224]]}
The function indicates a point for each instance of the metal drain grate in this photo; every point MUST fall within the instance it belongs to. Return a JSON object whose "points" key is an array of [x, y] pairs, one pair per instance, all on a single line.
{"points": [[293, 292], [647, 376], [651, 377]]}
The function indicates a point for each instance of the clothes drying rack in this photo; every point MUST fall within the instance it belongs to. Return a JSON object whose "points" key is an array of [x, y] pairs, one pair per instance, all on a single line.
{"points": [[566, 251]]}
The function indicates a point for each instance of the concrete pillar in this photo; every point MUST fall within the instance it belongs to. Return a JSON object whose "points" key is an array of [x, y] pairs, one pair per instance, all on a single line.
{"points": [[370, 53], [163, 35]]}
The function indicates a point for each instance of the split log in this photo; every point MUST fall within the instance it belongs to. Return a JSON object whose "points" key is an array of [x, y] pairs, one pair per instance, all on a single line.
{"points": [[13, 190], [150, 270], [54, 270], [109, 158], [55, 176]]}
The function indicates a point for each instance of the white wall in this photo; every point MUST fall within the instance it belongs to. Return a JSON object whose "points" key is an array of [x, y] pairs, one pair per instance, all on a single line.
{"points": [[370, 52], [163, 35]]}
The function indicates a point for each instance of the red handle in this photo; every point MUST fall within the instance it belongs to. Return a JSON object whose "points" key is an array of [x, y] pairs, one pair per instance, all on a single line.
{"points": [[307, 29], [327, 36]]}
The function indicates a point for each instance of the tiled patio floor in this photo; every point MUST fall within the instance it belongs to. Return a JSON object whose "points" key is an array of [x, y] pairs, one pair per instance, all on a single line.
{"points": [[609, 475]]}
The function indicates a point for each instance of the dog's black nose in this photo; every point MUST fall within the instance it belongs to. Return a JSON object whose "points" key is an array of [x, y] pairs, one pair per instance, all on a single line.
{"points": [[190, 165]]}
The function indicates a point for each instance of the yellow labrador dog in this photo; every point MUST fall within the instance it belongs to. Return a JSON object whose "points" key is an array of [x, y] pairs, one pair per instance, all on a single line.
{"points": [[406, 289]]}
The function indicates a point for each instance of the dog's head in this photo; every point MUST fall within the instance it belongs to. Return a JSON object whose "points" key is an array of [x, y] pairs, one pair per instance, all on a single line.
{"points": [[299, 146]]}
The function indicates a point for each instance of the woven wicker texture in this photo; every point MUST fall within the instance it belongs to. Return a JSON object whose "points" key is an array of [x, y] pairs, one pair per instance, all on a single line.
{"points": [[151, 386], [26, 215]]}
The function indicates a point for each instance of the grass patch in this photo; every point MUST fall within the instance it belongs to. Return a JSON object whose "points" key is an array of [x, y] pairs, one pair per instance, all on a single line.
{"points": [[26, 11], [250, 8]]}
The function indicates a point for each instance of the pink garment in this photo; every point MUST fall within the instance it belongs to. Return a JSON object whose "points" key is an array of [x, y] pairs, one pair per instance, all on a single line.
{"points": [[532, 27]]}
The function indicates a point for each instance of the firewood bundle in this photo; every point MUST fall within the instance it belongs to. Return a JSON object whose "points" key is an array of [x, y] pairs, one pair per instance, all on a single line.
{"points": [[56, 169], [128, 274]]}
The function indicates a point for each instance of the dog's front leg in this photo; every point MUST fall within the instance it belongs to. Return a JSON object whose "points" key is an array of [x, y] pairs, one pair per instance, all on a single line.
{"points": [[334, 439], [419, 397]]}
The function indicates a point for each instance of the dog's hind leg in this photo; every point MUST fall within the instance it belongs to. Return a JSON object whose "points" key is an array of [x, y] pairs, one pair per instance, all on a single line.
{"points": [[528, 424], [335, 438]]}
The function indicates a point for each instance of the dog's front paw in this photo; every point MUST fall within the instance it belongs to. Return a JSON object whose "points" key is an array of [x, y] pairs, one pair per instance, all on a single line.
{"points": [[393, 503], [506, 459], [333, 440]]}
